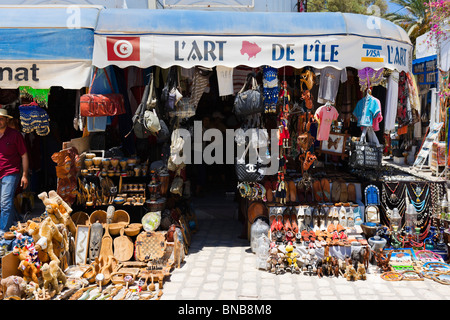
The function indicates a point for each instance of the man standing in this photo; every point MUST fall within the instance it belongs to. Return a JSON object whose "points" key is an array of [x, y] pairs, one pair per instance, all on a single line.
{"points": [[13, 158]]}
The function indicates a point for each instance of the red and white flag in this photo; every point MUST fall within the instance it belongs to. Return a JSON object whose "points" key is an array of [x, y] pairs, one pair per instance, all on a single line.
{"points": [[123, 48]]}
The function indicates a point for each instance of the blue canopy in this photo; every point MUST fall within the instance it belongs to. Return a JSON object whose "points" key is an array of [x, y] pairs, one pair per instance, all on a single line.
{"points": [[55, 43]]}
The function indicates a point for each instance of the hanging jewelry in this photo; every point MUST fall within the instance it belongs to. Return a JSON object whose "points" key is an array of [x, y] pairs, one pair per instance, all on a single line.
{"points": [[393, 197], [418, 190]]}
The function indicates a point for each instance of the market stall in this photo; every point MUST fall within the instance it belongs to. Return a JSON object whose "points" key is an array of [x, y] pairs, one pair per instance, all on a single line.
{"points": [[321, 108]]}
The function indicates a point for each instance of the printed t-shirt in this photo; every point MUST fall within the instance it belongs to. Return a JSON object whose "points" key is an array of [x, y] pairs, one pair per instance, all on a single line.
{"points": [[12, 147], [329, 83], [325, 115], [366, 110]]}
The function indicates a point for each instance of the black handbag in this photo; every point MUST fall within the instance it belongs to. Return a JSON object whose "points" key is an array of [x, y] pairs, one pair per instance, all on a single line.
{"points": [[366, 155], [249, 172], [168, 94], [248, 102]]}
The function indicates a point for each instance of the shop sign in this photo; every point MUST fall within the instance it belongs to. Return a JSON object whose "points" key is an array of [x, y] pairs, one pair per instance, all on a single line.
{"points": [[44, 74], [209, 51], [426, 72], [19, 74]]}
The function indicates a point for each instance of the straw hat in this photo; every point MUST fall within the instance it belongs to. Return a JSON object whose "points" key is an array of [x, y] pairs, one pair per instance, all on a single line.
{"points": [[4, 113]]}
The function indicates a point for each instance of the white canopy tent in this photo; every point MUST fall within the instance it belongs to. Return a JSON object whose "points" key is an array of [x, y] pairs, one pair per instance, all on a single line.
{"points": [[145, 38]]}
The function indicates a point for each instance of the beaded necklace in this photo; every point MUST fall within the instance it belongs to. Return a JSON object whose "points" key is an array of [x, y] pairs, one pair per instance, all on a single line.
{"points": [[418, 191]]}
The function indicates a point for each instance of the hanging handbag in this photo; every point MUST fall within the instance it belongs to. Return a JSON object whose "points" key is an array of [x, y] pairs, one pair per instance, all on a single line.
{"points": [[139, 128], [248, 102], [169, 93], [248, 172], [151, 121], [366, 155], [101, 105]]}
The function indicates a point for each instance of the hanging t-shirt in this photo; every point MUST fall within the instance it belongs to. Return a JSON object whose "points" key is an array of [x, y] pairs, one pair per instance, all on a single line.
{"points": [[329, 83], [325, 115], [225, 80], [366, 110]]}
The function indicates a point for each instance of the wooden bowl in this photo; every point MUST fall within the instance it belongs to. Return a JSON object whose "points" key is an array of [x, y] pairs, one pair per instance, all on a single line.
{"points": [[133, 229], [80, 218], [119, 200], [121, 216], [114, 228], [98, 215]]}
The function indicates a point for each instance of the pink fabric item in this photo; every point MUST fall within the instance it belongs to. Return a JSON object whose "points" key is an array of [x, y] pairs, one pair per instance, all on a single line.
{"points": [[325, 115], [376, 121]]}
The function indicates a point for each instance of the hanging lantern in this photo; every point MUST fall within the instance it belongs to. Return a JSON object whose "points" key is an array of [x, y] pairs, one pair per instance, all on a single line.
{"points": [[396, 219]]}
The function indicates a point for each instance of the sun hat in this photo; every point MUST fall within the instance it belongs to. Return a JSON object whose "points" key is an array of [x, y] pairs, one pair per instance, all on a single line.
{"points": [[4, 113]]}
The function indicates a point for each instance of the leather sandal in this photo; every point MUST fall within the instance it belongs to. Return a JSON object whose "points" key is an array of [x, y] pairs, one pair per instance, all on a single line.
{"points": [[293, 191], [288, 194], [335, 191], [301, 193], [286, 220], [317, 190], [273, 224], [293, 218], [279, 219], [351, 191], [269, 193], [344, 193], [325, 184], [331, 228], [305, 235]]}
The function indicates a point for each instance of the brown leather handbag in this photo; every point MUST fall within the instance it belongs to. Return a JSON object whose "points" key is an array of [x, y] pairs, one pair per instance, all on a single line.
{"points": [[101, 105]]}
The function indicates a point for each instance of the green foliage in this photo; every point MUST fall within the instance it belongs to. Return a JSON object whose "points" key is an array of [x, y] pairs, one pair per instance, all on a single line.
{"points": [[350, 6], [414, 18]]}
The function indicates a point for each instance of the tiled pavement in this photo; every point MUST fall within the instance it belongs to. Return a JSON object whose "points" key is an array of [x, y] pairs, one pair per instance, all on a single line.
{"points": [[221, 266]]}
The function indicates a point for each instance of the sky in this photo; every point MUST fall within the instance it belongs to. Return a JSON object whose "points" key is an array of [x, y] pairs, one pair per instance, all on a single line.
{"points": [[392, 7]]}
